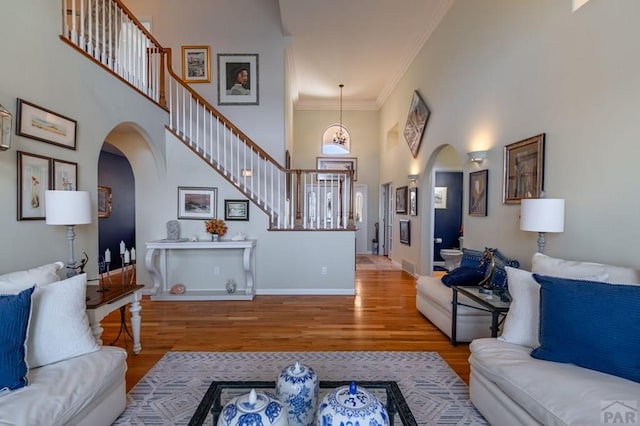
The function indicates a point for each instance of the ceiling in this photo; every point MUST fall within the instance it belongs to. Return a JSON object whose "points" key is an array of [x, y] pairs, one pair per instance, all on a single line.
{"points": [[366, 45]]}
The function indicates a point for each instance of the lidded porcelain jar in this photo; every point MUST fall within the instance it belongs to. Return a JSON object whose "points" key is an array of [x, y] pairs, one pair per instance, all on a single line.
{"points": [[297, 388], [351, 405], [254, 408]]}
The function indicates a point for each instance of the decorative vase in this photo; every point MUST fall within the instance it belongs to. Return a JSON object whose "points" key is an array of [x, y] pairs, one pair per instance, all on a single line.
{"points": [[351, 405], [254, 408], [297, 387], [215, 237]]}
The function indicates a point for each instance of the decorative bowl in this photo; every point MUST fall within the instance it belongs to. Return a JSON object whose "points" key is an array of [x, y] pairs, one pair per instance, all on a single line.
{"points": [[351, 405], [297, 388], [254, 408]]}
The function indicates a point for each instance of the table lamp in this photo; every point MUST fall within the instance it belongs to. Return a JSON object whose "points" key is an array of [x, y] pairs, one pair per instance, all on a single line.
{"points": [[68, 208], [542, 215]]}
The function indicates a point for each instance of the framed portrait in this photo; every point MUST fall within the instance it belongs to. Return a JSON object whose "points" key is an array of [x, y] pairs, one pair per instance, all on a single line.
{"points": [[405, 231], [44, 125], [523, 169], [196, 64], [197, 202], [236, 209], [332, 163], [440, 197], [33, 181], [478, 193], [65, 175], [413, 201], [104, 201], [401, 199], [416, 123], [237, 79]]}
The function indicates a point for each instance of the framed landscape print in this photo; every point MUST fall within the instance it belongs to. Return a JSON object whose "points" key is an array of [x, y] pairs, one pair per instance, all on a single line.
{"points": [[333, 163], [405, 231], [33, 181], [196, 64], [104, 202], [413, 201], [237, 79], [523, 169], [416, 123], [197, 202], [401, 200], [478, 193], [46, 126], [65, 175], [236, 209]]}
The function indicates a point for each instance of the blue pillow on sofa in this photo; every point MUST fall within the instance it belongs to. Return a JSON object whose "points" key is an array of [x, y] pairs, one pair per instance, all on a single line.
{"points": [[463, 275], [15, 311], [590, 324]]}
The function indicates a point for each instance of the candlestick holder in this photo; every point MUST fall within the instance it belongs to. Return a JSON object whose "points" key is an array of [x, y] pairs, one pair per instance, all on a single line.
{"points": [[104, 266], [123, 271], [132, 280]]}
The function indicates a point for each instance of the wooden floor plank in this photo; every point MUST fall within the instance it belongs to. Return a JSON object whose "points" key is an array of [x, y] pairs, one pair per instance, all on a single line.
{"points": [[381, 317]]}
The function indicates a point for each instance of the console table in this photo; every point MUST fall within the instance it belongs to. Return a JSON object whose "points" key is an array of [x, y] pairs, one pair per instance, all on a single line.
{"points": [[102, 303], [158, 270]]}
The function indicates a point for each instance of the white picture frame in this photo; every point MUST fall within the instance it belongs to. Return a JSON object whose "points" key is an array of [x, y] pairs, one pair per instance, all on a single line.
{"points": [[440, 197]]}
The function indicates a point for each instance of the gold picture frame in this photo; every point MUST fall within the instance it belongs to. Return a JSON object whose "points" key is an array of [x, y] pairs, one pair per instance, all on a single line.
{"points": [[523, 169], [104, 202], [196, 64]]}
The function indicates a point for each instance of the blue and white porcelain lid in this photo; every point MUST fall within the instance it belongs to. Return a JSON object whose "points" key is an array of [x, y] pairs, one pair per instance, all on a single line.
{"points": [[353, 397], [252, 402], [297, 370]]}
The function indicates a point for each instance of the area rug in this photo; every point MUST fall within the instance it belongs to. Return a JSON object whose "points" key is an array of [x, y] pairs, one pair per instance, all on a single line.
{"points": [[171, 391], [363, 260]]}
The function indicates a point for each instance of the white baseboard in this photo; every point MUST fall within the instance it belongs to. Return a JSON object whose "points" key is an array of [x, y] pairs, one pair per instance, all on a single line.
{"points": [[305, 292]]}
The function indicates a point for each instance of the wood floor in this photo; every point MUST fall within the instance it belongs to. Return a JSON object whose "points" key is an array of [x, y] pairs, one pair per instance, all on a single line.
{"points": [[381, 317]]}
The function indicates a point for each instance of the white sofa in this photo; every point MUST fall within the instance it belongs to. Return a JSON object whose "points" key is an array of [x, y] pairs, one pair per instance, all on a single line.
{"points": [[509, 386], [71, 380], [433, 300]]}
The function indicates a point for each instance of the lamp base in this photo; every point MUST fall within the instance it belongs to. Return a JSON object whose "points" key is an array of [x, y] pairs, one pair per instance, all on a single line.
{"points": [[541, 242]]}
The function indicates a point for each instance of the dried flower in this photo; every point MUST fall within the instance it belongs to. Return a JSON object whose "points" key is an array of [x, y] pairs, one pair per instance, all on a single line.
{"points": [[216, 226]]}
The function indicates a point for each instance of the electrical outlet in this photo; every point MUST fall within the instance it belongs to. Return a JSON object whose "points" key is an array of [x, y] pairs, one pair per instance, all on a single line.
{"points": [[216, 270], [323, 270]]}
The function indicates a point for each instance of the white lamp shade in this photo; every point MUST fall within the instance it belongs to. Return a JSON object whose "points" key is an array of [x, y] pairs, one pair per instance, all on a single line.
{"points": [[542, 215], [67, 207]]}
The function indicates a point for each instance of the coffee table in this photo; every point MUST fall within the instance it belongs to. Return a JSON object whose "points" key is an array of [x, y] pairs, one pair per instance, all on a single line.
{"points": [[220, 393]]}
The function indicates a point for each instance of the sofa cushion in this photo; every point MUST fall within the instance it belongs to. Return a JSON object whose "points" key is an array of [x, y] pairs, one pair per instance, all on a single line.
{"points": [[15, 282], [590, 324], [59, 327], [552, 393], [15, 311], [546, 265]]}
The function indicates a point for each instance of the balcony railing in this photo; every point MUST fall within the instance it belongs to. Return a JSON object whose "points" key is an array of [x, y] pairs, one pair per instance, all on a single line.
{"points": [[108, 33]]}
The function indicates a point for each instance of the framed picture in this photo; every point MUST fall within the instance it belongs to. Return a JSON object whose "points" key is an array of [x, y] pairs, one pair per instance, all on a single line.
{"points": [[523, 169], [416, 123], [405, 231], [401, 199], [46, 126], [237, 79], [104, 201], [332, 163], [33, 181], [197, 202], [65, 175], [236, 209], [413, 201], [196, 64], [440, 197], [478, 193]]}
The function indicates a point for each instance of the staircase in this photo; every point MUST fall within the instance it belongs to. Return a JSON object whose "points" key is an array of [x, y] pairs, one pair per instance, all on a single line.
{"points": [[294, 199]]}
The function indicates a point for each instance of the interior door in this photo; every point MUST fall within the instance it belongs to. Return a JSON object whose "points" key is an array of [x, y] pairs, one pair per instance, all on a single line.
{"points": [[448, 211], [360, 218]]}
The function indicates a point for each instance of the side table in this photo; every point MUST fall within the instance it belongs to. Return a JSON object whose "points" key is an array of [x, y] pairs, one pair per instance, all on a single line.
{"points": [[102, 303], [488, 302]]}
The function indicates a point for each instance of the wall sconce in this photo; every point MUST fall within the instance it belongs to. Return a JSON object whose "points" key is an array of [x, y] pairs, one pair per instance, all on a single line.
{"points": [[477, 156], [413, 178], [6, 118], [246, 173]]}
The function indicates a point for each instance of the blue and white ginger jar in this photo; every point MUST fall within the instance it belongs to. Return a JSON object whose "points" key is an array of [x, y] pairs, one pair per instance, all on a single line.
{"points": [[297, 388], [253, 409], [351, 405]]}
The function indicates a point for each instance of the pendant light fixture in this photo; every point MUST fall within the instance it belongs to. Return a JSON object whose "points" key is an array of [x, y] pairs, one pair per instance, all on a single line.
{"points": [[340, 137]]}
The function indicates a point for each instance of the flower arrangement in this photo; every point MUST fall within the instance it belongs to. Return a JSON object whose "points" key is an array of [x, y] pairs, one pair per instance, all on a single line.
{"points": [[216, 226]]}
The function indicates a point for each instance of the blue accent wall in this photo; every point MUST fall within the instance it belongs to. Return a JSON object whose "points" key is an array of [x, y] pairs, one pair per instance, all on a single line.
{"points": [[115, 172], [447, 222]]}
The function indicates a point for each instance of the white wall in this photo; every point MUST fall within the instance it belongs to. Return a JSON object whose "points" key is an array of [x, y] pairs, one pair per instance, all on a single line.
{"points": [[498, 71]]}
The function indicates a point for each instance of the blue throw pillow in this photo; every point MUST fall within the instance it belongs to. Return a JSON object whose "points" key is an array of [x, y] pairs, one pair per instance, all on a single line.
{"points": [[463, 275], [15, 311], [590, 324]]}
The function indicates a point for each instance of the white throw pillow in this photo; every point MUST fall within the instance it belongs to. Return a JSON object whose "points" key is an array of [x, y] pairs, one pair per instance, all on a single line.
{"points": [[546, 265], [15, 282], [522, 321], [59, 327]]}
